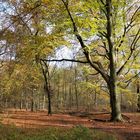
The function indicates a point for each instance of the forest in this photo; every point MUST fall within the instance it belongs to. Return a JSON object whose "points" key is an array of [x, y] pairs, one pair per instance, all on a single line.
{"points": [[69, 69]]}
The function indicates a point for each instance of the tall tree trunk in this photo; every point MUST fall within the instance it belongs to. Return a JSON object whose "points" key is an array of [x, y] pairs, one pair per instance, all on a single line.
{"points": [[138, 93], [44, 102], [21, 104], [58, 96], [26, 105], [47, 87], [49, 103], [26, 101], [76, 90], [70, 96], [114, 100], [32, 102], [112, 86], [64, 90], [21, 101], [6, 103], [114, 103], [95, 99], [32, 105], [48, 91]]}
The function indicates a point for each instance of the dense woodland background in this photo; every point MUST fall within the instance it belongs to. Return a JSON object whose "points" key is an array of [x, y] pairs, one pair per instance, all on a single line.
{"points": [[98, 66]]}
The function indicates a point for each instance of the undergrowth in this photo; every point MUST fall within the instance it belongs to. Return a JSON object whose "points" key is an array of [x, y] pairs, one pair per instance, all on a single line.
{"points": [[76, 133]]}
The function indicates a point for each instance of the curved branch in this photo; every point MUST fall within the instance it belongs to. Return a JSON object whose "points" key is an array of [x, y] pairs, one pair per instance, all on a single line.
{"points": [[96, 65]]}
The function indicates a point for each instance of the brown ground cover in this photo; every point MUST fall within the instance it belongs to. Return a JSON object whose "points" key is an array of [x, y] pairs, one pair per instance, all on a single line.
{"points": [[128, 130]]}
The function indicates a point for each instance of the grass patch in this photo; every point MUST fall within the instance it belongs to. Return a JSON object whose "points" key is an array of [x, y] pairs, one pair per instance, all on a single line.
{"points": [[76, 133]]}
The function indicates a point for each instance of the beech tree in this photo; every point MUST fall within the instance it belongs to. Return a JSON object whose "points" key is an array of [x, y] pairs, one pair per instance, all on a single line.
{"points": [[107, 31], [115, 31]]}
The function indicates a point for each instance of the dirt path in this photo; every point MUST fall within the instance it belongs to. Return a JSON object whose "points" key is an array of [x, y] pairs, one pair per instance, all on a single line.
{"points": [[125, 130]]}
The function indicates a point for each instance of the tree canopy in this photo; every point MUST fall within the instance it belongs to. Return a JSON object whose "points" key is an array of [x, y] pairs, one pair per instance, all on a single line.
{"points": [[104, 33]]}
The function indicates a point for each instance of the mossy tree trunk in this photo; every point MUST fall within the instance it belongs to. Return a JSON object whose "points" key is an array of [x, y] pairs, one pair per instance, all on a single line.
{"points": [[114, 100]]}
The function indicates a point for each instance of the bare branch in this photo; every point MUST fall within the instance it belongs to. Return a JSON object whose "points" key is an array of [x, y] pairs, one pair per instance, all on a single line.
{"points": [[61, 60]]}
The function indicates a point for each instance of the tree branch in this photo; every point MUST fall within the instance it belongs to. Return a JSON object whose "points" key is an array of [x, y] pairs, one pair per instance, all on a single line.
{"points": [[61, 60], [128, 27], [132, 49], [5, 29], [98, 66], [130, 80]]}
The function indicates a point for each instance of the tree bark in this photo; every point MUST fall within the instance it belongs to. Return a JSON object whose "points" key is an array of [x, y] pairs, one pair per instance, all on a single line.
{"points": [[114, 103], [49, 103], [47, 86], [114, 100], [32, 105], [138, 93], [95, 99], [48, 91], [32, 102], [112, 86], [44, 102], [76, 90]]}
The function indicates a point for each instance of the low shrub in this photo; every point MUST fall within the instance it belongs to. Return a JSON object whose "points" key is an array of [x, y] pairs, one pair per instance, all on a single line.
{"points": [[50, 133]]}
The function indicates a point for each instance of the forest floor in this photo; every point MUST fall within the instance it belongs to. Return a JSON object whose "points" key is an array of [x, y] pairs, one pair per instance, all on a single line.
{"points": [[128, 130]]}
